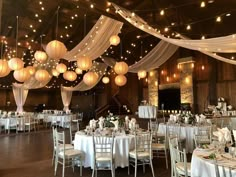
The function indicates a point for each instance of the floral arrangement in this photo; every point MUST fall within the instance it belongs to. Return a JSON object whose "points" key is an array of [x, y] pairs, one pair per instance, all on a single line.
{"points": [[112, 118], [187, 118]]}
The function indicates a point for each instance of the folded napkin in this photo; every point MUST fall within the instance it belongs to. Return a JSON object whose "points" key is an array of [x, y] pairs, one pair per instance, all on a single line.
{"points": [[92, 123], [223, 135], [116, 124]]}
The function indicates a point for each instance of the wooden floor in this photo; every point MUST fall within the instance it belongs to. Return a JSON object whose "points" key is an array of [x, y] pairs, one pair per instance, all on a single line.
{"points": [[29, 155]]}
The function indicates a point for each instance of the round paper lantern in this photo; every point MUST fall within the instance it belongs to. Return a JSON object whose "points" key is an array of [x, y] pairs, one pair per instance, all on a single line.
{"points": [[70, 76], [84, 63], [55, 72], [40, 56], [31, 70], [15, 64], [121, 68], [114, 40], [42, 75], [61, 68], [21, 75], [120, 80], [90, 78], [56, 49], [4, 68], [142, 74], [105, 80], [78, 71]]}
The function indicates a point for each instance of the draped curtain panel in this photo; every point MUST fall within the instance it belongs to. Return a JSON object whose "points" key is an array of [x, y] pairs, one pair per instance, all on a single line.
{"points": [[96, 42], [66, 96], [211, 46], [20, 95]]}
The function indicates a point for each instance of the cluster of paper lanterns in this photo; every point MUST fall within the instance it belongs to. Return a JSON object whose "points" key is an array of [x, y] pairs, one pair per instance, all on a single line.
{"points": [[121, 68], [70, 76], [15, 64], [84, 63], [42, 75], [114, 40], [4, 68], [56, 49], [142, 74], [90, 78], [21, 75]]}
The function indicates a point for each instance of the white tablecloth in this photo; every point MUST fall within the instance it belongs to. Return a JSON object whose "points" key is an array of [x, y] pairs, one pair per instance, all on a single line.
{"points": [[147, 112], [19, 121], [201, 167], [62, 119], [186, 131], [122, 145]]}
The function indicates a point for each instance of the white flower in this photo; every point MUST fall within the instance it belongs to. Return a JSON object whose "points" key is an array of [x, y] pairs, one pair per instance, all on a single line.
{"points": [[112, 118]]}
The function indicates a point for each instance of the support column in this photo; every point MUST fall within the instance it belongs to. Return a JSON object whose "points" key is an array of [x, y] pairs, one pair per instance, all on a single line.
{"points": [[153, 87], [186, 66]]}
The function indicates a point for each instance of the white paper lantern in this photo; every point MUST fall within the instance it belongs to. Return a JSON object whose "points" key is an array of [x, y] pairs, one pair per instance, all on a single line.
{"points": [[4, 68], [120, 80], [114, 40], [121, 68], [56, 49], [21, 75], [40, 56], [84, 63], [61, 68], [31, 70], [55, 72], [70, 76], [142, 74], [90, 78], [42, 75], [15, 64], [105, 80], [78, 71]]}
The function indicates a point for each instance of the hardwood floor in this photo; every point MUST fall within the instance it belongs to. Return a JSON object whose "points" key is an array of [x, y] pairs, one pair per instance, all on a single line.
{"points": [[29, 155]]}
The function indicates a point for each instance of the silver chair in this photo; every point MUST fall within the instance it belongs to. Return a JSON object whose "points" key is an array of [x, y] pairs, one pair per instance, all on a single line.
{"points": [[74, 127], [180, 166], [142, 153], [103, 154], [66, 157], [202, 135], [29, 123], [13, 124]]}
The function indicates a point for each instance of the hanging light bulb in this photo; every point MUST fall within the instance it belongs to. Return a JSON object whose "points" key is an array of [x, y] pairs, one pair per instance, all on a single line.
{"points": [[203, 4], [188, 27], [218, 19], [162, 12]]}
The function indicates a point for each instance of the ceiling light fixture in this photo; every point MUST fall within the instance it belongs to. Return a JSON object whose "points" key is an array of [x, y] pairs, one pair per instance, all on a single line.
{"points": [[203, 4]]}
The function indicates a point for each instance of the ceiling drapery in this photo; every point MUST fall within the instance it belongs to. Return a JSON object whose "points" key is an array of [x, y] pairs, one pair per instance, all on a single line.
{"points": [[155, 58], [225, 44], [96, 42]]}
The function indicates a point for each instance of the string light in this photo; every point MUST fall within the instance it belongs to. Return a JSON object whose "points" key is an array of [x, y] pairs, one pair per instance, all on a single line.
{"points": [[162, 12], [188, 27], [218, 19], [203, 4]]}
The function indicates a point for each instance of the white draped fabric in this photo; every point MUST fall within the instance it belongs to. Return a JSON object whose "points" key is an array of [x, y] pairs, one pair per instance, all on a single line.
{"points": [[155, 58], [225, 44], [20, 95], [96, 42], [66, 96], [32, 83], [99, 68]]}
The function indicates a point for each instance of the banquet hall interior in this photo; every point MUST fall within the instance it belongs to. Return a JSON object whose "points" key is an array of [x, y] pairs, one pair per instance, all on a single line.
{"points": [[118, 88]]}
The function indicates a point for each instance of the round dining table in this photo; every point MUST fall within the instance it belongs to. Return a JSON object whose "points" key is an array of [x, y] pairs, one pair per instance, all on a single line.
{"points": [[122, 145], [201, 166]]}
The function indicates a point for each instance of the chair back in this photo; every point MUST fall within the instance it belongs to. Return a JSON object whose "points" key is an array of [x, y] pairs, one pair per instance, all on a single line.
{"points": [[202, 135], [143, 142], [103, 145], [153, 126], [178, 156], [226, 171], [173, 130], [74, 127], [54, 130], [60, 142]]}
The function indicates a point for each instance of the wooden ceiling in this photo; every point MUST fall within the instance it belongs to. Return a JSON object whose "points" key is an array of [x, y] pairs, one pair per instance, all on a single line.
{"points": [[76, 17]]}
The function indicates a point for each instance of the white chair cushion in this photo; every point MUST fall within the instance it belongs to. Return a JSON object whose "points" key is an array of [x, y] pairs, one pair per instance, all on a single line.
{"points": [[67, 146], [140, 154], [103, 157], [157, 146], [71, 153], [180, 168]]}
